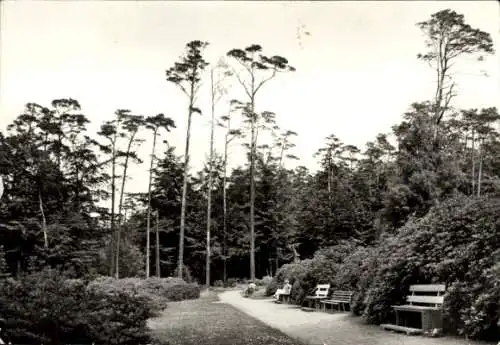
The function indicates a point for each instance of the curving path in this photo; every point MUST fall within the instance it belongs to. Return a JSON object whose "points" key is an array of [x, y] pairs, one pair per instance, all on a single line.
{"points": [[318, 328]]}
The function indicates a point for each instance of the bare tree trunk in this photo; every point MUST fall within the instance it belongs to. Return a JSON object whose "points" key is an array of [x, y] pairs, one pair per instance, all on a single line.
{"points": [[120, 207], [184, 184], [148, 222], [252, 194], [276, 263], [473, 163], [329, 176], [113, 235], [480, 172], [224, 205], [44, 222], [157, 245], [210, 180]]}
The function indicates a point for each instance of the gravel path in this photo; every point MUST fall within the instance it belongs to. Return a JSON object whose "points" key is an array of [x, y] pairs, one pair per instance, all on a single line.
{"points": [[319, 328]]}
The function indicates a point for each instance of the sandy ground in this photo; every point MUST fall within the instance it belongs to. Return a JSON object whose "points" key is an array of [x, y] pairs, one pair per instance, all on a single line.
{"points": [[319, 328]]}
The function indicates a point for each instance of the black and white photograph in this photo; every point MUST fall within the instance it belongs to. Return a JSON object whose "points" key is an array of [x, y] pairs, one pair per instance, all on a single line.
{"points": [[249, 172]]}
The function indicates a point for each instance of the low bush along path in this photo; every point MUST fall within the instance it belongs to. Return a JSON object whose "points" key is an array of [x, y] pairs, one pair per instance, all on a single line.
{"points": [[207, 321], [325, 328]]}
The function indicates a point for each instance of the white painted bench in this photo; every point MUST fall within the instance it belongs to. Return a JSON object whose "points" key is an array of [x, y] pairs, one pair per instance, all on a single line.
{"points": [[427, 300], [320, 292]]}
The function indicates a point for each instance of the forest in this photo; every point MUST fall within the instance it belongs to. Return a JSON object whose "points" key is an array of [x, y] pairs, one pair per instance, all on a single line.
{"points": [[425, 194]]}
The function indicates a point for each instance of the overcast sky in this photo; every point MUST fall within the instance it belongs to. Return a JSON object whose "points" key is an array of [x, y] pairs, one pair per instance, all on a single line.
{"points": [[357, 71]]}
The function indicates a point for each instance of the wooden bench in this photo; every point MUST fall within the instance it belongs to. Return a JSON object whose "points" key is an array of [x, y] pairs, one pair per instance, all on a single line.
{"points": [[338, 298], [320, 292], [426, 300], [285, 297], [2, 326]]}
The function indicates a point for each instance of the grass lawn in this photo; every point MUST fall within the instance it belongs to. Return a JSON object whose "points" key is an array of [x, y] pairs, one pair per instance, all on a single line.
{"points": [[204, 322]]}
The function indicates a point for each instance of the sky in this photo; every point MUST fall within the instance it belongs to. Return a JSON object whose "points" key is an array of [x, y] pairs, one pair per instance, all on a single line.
{"points": [[356, 65]]}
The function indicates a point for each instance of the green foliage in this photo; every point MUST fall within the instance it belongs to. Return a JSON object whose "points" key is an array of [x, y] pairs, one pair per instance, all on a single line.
{"points": [[231, 282], [3, 264], [296, 273], [46, 307], [373, 221], [157, 291], [131, 260], [455, 244], [186, 273]]}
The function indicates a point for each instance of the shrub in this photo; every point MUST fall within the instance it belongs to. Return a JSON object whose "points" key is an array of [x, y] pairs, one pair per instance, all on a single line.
{"points": [[455, 244], [180, 292], [305, 275], [231, 282], [186, 274], [156, 291], [356, 274], [44, 307], [295, 273], [266, 280]]}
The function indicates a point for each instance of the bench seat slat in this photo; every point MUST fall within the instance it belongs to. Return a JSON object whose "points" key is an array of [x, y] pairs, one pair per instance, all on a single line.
{"points": [[428, 288], [327, 301], [414, 307], [425, 299], [340, 300]]}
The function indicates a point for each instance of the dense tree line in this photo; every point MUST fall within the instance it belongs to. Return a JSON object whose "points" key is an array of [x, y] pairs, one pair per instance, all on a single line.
{"points": [[260, 215]]}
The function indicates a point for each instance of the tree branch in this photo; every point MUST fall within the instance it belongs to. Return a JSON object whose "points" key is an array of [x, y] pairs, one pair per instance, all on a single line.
{"points": [[265, 80], [242, 83]]}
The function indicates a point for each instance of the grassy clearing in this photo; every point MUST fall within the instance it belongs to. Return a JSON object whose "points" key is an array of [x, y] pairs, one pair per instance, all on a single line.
{"points": [[204, 321]]}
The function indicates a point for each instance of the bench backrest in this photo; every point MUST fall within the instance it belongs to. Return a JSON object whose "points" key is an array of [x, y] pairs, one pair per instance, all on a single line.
{"points": [[321, 290], [340, 295], [434, 294]]}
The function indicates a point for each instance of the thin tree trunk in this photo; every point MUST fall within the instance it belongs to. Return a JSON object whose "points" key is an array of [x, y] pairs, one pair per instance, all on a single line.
{"points": [[210, 182], [77, 192], [44, 222], [113, 235], [148, 222], [184, 183], [473, 163], [224, 204], [329, 179], [480, 172], [157, 245], [252, 193], [120, 207], [276, 263]]}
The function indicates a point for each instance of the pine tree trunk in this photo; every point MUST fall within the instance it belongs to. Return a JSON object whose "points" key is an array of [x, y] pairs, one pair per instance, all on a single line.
{"points": [[480, 172], [44, 222], [224, 207], [276, 263], [120, 207], [252, 195], [148, 222], [210, 182], [113, 163], [184, 185], [157, 246], [473, 163]]}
